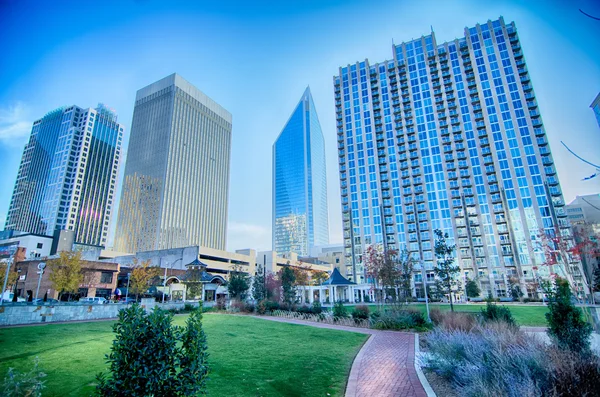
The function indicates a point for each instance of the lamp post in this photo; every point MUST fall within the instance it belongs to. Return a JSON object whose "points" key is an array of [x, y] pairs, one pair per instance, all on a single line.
{"points": [[14, 299], [424, 276], [165, 280], [41, 267]]}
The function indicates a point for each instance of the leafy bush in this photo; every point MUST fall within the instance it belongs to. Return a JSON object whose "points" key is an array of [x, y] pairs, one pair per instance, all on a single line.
{"points": [[236, 307], [567, 326], [339, 310], [271, 306], [317, 308], [28, 384], [261, 308], [367, 299], [400, 319], [304, 309], [361, 312], [249, 307], [146, 359], [493, 312]]}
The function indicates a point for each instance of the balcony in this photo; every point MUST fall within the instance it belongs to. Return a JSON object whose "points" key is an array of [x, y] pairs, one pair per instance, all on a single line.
{"points": [[479, 116], [555, 192], [532, 104], [539, 132], [527, 87]]}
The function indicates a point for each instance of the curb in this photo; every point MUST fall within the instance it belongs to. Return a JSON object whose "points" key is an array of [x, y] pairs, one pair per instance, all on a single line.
{"points": [[424, 382]]}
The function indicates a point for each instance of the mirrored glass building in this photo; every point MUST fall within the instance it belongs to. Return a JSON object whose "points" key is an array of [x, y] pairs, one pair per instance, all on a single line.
{"points": [[176, 184], [300, 216], [68, 173], [449, 136]]}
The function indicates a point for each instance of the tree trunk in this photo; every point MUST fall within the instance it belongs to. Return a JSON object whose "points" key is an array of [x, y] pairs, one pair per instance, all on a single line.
{"points": [[450, 296]]}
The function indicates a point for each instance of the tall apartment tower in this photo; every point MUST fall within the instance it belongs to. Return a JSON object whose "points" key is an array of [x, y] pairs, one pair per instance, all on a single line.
{"points": [[67, 176], [176, 184], [300, 216], [448, 136]]}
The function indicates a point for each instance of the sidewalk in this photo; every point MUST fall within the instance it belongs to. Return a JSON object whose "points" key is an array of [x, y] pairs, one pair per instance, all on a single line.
{"points": [[384, 367]]}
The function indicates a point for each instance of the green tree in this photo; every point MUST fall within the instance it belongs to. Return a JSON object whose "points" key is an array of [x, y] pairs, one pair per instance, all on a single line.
{"points": [[597, 279], [515, 288], [12, 276], [65, 272], [567, 326], [151, 357], [259, 290], [472, 289], [445, 269], [288, 278], [238, 283]]}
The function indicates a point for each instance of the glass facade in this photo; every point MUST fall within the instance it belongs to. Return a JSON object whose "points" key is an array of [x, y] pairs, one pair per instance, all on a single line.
{"points": [[448, 136], [596, 108], [67, 176], [300, 216], [176, 184]]}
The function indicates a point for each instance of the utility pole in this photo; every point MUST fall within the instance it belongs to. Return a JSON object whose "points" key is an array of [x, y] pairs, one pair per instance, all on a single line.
{"points": [[41, 267]]}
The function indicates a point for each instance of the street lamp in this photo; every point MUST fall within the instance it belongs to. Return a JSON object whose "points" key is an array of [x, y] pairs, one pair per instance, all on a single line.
{"points": [[41, 267], [14, 299], [165, 280]]}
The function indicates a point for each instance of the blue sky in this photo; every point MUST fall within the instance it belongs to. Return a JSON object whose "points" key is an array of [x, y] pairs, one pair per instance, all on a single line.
{"points": [[256, 59]]}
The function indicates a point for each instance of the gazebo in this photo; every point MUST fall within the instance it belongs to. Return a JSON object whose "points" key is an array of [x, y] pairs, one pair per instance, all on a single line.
{"points": [[212, 285], [337, 288]]}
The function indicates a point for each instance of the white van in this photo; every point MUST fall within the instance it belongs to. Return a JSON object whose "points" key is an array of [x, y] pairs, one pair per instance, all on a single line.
{"points": [[95, 300], [7, 296]]}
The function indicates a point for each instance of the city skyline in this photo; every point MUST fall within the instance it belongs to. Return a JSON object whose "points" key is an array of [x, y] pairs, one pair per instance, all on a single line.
{"points": [[300, 215], [176, 179], [554, 39]]}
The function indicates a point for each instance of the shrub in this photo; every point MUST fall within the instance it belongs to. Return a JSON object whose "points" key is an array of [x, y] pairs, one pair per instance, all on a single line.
{"points": [[28, 384], [400, 319], [221, 304], [572, 374], [249, 307], [271, 306], [339, 310], [261, 308], [493, 312], [492, 360], [236, 307], [317, 308], [304, 309], [145, 359], [361, 312], [566, 324], [453, 320], [367, 299]]}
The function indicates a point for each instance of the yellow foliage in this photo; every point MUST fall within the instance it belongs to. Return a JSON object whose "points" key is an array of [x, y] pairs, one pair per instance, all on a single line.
{"points": [[12, 275], [65, 272], [140, 277]]}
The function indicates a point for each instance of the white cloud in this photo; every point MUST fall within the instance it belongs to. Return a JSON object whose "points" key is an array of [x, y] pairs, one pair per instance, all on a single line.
{"points": [[246, 235], [14, 124]]}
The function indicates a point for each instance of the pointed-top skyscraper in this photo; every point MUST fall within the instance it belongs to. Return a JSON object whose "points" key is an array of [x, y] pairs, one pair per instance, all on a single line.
{"points": [[300, 216]]}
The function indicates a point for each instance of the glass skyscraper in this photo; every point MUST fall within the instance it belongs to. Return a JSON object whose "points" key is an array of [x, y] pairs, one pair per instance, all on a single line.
{"points": [[67, 176], [300, 216], [449, 136], [596, 108], [176, 184]]}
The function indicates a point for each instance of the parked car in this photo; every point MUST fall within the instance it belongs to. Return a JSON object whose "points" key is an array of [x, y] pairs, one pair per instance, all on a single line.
{"points": [[127, 300], [7, 296], [48, 301], [94, 300]]}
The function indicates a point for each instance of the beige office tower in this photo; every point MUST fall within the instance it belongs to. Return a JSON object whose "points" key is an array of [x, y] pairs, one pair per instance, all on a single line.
{"points": [[176, 184]]}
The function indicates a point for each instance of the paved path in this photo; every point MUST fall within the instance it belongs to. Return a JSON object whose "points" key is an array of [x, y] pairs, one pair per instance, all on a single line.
{"points": [[384, 367]]}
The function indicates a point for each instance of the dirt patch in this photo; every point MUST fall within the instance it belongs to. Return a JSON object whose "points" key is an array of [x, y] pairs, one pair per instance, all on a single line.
{"points": [[440, 386]]}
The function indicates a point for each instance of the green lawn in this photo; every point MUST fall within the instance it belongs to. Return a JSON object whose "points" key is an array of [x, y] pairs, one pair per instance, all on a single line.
{"points": [[532, 316], [248, 356]]}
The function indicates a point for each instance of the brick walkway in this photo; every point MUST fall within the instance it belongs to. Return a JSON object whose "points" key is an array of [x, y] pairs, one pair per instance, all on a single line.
{"points": [[384, 367]]}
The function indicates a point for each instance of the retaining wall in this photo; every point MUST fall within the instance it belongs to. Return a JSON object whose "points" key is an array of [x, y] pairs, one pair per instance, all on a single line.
{"points": [[32, 314]]}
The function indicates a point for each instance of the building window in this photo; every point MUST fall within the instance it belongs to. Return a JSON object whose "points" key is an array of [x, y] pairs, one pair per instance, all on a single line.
{"points": [[106, 277], [39, 245]]}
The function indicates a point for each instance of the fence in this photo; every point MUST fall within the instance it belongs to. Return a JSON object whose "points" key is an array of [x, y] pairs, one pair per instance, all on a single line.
{"points": [[324, 317]]}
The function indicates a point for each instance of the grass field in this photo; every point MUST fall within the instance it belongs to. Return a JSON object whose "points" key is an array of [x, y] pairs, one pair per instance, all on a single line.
{"points": [[248, 356], [532, 316]]}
